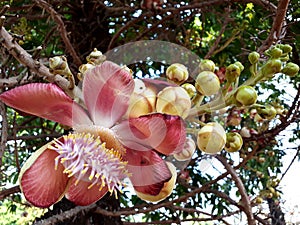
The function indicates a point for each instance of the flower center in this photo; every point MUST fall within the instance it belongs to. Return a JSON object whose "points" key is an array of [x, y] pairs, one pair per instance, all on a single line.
{"points": [[88, 159]]}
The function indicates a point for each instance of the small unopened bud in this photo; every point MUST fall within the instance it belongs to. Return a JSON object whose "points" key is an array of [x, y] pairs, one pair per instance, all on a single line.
{"points": [[95, 57], [267, 112], [253, 57], [190, 89], [207, 65], [85, 67], [271, 67], [173, 101], [274, 52], [246, 95], [207, 83], [177, 73], [233, 71], [285, 48], [188, 150], [211, 138], [240, 65], [290, 69], [258, 200], [234, 142], [58, 63], [142, 101]]}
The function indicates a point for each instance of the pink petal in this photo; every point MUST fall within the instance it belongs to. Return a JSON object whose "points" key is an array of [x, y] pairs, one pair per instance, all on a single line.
{"points": [[107, 89], [164, 133], [149, 171], [47, 101], [80, 194], [41, 184]]}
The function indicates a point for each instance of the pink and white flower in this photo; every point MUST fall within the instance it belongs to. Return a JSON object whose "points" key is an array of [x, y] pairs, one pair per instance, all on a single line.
{"points": [[104, 148]]}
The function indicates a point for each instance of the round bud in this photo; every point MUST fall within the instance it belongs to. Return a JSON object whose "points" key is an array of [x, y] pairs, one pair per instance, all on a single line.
{"points": [[95, 57], [165, 191], [85, 67], [207, 65], [207, 83], [271, 67], [233, 71], [246, 95], [173, 101], [253, 57], [188, 150], [211, 138], [142, 101], [240, 65], [267, 112], [290, 69], [274, 52], [177, 73], [190, 89], [234, 142]]}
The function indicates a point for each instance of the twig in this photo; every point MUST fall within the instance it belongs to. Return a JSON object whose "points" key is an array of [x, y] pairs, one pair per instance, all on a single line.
{"points": [[35, 66], [245, 198], [276, 31], [61, 27], [9, 191], [3, 133], [291, 163], [67, 215]]}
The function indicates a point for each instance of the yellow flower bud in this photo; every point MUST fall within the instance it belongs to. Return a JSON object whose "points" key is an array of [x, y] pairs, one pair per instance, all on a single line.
{"points": [[271, 67], [207, 83], [173, 101], [253, 57], [188, 150], [207, 65], [95, 57], [233, 71], [246, 95], [142, 101], [177, 73], [85, 67], [234, 142], [190, 89], [165, 191], [267, 112], [211, 138]]}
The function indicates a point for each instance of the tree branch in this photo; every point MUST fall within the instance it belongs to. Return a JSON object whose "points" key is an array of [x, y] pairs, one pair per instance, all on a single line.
{"points": [[61, 27]]}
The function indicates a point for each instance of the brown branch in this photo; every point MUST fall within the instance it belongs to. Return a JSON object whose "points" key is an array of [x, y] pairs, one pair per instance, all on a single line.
{"points": [[244, 197], [35, 66], [4, 126], [9, 191], [61, 27], [276, 30]]}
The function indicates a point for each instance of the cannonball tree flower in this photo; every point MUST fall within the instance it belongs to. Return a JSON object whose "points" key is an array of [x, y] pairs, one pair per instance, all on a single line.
{"points": [[104, 148]]}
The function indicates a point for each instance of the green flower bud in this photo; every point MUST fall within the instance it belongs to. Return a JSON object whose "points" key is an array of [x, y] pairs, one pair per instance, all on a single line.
{"points": [[188, 150], [173, 101], [207, 83], [190, 89], [274, 52], [177, 73], [207, 65], [267, 112], [290, 69], [211, 138], [271, 67], [234, 142], [285, 48], [253, 57], [233, 71], [240, 65], [246, 95]]}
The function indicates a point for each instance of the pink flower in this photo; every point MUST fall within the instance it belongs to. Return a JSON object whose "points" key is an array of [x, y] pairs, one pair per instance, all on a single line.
{"points": [[103, 149]]}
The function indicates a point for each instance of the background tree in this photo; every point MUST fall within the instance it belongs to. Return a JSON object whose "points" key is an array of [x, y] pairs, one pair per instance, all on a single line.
{"points": [[223, 31]]}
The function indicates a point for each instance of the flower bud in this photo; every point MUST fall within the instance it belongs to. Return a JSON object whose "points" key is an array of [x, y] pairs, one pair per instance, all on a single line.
{"points": [[165, 191], [240, 65], [211, 138], [207, 83], [188, 150], [177, 73], [207, 65], [274, 52], [253, 57], [142, 101], [246, 95], [271, 67], [285, 48], [95, 57], [267, 112], [234, 142], [85, 67], [233, 71], [290, 69], [58, 63], [173, 101], [190, 89]]}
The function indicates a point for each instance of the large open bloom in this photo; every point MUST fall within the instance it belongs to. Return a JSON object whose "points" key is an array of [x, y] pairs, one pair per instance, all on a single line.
{"points": [[104, 148]]}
